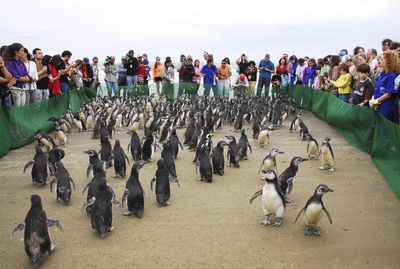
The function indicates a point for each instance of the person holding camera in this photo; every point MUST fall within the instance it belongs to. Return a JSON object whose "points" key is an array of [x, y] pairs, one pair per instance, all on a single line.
{"points": [[266, 69], [242, 63], [110, 69], [131, 65]]}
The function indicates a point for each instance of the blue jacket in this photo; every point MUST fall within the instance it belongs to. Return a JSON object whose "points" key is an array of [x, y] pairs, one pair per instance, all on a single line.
{"points": [[264, 64]]}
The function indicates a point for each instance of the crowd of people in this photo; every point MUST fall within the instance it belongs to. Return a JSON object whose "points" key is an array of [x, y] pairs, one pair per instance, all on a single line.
{"points": [[363, 77]]}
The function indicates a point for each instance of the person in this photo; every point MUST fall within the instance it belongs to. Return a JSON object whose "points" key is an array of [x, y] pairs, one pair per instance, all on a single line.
{"points": [[43, 81], [276, 82], [15, 65], [65, 69], [207, 56], [142, 87], [146, 63], [240, 85], [121, 73], [343, 83], [6, 81], [110, 69], [364, 88], [372, 59], [196, 79], [309, 73], [385, 93], [209, 73], [87, 73], [131, 66], [242, 63], [386, 43], [395, 46], [224, 74], [293, 67], [251, 75], [141, 69], [95, 68], [186, 73], [326, 67], [33, 75], [168, 77], [346, 59], [157, 70], [285, 81], [54, 75], [300, 70], [358, 50], [266, 68], [76, 75], [282, 65]]}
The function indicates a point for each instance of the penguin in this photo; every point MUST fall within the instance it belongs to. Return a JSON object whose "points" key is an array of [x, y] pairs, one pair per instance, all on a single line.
{"points": [[218, 159], [174, 143], [39, 168], [62, 183], [161, 179], [77, 122], [312, 147], [269, 162], [328, 158], [36, 236], [55, 155], [286, 179], [44, 140], [103, 132], [89, 122], [272, 199], [204, 140], [168, 159], [313, 211], [134, 195], [93, 159], [303, 130], [101, 218], [111, 127], [244, 144], [135, 146], [98, 173], [119, 160], [203, 165], [60, 136], [234, 152], [263, 137], [106, 153], [164, 132], [149, 147], [294, 126], [190, 130]]}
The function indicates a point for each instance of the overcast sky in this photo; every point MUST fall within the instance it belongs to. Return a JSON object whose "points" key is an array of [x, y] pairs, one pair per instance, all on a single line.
{"points": [[226, 28]]}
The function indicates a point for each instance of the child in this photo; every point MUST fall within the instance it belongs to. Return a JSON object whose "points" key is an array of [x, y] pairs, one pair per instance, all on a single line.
{"points": [[285, 81], [145, 62], [343, 83], [363, 89]]}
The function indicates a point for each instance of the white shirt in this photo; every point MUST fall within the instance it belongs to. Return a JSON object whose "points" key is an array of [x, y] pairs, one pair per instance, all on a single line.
{"points": [[32, 72]]}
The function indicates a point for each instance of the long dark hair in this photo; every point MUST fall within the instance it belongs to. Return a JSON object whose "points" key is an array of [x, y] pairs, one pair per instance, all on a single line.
{"points": [[11, 50]]}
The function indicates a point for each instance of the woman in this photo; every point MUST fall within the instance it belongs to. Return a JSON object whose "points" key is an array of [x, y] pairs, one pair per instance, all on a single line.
{"points": [[54, 75], [33, 74], [358, 50], [385, 92], [251, 74], [15, 65], [281, 67], [196, 79], [168, 77], [76, 75], [309, 73], [157, 70]]}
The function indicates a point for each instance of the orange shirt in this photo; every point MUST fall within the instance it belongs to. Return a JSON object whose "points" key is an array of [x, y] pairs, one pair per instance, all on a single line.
{"points": [[157, 71], [224, 73]]}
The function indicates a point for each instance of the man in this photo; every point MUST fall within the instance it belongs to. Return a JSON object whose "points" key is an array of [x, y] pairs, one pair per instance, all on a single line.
{"points": [[386, 43], [242, 63], [87, 73], [131, 66], [266, 68], [95, 69], [240, 85], [372, 54], [65, 68], [186, 73], [110, 69], [210, 72], [121, 70], [42, 84]]}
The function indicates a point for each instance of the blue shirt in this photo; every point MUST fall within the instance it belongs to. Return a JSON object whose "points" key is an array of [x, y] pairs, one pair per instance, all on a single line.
{"points": [[209, 72], [264, 64], [293, 76], [385, 84]]}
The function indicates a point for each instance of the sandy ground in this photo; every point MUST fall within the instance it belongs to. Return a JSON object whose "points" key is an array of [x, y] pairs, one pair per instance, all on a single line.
{"points": [[213, 225]]}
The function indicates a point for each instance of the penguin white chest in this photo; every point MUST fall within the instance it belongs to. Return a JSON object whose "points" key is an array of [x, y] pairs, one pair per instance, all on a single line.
{"points": [[312, 148], [263, 138], [271, 201], [269, 164], [313, 214], [327, 157]]}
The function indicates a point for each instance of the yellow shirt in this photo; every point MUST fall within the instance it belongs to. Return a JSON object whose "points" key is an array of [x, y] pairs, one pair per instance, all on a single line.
{"points": [[224, 73], [343, 84]]}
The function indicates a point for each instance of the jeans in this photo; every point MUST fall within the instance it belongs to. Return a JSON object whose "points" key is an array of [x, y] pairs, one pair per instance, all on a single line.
{"points": [[208, 87], [252, 87], [263, 82], [64, 87], [344, 97], [112, 87], [42, 94], [6, 101], [19, 96], [130, 81], [223, 87], [34, 96]]}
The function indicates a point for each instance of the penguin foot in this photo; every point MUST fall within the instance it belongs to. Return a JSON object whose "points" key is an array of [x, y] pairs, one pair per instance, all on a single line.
{"points": [[52, 247], [199, 179], [111, 228], [321, 167], [126, 213], [245, 158], [278, 222], [307, 230], [288, 200], [332, 169], [266, 221]]}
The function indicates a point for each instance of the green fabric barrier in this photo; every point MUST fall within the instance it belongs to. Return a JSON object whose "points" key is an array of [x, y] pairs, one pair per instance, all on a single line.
{"points": [[320, 104], [4, 136]]}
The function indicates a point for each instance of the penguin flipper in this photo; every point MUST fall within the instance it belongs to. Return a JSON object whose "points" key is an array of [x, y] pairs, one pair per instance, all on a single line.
{"points": [[28, 164], [86, 187], [327, 214], [152, 182], [88, 203], [90, 168], [18, 228], [126, 157], [113, 199], [51, 168], [56, 223], [255, 195], [299, 214], [54, 181], [73, 183], [127, 148], [124, 198], [248, 144], [180, 144]]}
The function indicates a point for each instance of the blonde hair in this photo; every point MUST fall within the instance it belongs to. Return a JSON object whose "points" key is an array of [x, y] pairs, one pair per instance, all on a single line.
{"points": [[392, 62]]}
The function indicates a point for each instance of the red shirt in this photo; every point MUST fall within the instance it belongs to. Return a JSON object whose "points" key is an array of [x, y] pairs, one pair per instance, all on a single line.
{"points": [[280, 69], [141, 70], [54, 86]]}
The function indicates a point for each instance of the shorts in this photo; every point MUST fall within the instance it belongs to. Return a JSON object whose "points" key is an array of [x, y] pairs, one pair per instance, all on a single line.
{"points": [[158, 79]]}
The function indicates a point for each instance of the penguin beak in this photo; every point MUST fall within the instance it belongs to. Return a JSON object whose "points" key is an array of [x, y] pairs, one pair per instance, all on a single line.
{"points": [[328, 190], [281, 152], [304, 159]]}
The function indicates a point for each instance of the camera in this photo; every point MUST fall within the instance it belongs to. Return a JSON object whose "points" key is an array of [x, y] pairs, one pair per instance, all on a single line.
{"points": [[107, 61]]}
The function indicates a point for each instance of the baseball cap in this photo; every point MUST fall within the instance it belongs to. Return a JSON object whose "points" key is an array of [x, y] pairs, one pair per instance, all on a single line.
{"points": [[86, 60], [241, 77], [342, 53], [346, 58]]}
